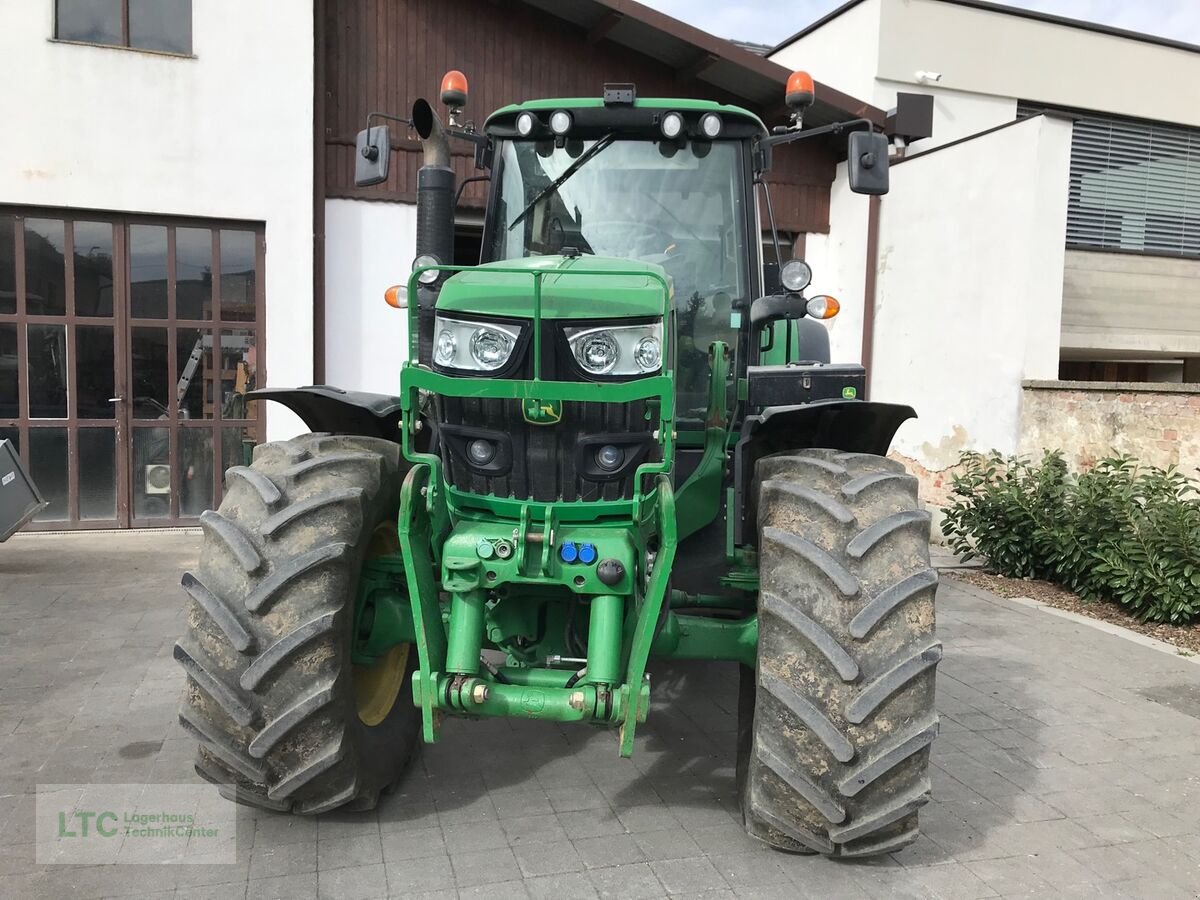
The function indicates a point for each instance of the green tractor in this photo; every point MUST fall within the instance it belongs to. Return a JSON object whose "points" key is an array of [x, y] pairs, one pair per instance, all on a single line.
{"points": [[619, 438]]}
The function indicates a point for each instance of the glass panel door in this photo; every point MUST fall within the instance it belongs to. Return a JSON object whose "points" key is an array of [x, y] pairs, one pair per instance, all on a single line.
{"points": [[189, 374], [127, 347], [59, 361]]}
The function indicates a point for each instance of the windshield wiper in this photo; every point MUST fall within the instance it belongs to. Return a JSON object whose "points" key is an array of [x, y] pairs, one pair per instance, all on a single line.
{"points": [[558, 182]]}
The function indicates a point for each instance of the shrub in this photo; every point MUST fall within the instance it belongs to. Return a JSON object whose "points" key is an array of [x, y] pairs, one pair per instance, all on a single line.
{"points": [[1120, 531]]}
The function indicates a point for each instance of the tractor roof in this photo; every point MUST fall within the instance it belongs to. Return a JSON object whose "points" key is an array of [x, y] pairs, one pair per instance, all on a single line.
{"points": [[650, 103]]}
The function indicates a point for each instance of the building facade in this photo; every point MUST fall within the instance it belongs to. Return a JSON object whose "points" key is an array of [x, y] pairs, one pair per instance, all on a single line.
{"points": [[1047, 231], [155, 245]]}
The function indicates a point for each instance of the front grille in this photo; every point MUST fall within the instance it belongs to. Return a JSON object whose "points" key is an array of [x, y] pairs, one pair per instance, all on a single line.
{"points": [[545, 458]]}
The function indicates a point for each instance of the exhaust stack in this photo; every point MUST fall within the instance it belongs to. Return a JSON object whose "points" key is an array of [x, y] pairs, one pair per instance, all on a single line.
{"points": [[435, 211]]}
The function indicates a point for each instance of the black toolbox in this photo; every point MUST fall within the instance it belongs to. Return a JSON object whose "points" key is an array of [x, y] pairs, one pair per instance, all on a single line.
{"points": [[795, 384]]}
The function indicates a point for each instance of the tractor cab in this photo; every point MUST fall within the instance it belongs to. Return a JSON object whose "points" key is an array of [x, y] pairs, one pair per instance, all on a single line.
{"points": [[659, 182]]}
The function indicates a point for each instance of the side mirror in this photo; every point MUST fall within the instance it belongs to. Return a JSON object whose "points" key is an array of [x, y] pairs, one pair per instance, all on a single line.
{"points": [[373, 151], [867, 159]]}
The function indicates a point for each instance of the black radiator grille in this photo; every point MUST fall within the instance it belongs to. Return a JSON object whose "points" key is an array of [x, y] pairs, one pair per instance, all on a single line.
{"points": [[544, 457]]}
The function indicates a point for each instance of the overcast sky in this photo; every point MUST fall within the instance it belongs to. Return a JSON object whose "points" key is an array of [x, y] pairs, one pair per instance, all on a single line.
{"points": [[771, 21]]}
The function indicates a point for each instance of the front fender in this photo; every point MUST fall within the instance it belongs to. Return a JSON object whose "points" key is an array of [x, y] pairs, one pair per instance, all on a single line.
{"points": [[856, 426], [325, 408]]}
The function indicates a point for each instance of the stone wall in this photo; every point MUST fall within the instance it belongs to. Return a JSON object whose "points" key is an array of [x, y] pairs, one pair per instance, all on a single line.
{"points": [[1157, 423]]}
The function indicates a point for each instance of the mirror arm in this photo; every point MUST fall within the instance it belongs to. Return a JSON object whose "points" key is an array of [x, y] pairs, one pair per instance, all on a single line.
{"points": [[482, 145], [777, 306], [462, 185], [836, 128]]}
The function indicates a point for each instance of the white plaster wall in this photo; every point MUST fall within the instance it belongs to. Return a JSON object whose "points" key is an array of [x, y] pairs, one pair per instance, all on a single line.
{"points": [[839, 265], [969, 287], [225, 134], [369, 246], [843, 53], [988, 52]]}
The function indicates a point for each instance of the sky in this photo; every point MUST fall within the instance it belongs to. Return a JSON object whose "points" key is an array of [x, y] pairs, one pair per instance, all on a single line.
{"points": [[771, 21]]}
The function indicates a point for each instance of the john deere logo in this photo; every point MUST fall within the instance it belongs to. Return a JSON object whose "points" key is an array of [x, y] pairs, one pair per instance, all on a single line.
{"points": [[849, 392], [542, 412]]}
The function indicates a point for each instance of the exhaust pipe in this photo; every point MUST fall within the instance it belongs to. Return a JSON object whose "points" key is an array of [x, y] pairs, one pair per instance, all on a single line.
{"points": [[435, 212], [435, 187]]}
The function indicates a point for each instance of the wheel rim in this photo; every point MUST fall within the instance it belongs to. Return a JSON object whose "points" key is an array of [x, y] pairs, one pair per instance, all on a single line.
{"points": [[377, 687]]}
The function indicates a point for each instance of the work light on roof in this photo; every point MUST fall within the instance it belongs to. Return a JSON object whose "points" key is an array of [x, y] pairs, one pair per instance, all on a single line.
{"points": [[525, 123], [711, 125], [560, 122], [672, 125]]}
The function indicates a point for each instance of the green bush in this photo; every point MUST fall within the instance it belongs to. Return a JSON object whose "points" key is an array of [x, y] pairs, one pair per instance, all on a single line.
{"points": [[1119, 531]]}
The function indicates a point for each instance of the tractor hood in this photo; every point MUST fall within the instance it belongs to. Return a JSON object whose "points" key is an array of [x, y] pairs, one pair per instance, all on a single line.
{"points": [[575, 287]]}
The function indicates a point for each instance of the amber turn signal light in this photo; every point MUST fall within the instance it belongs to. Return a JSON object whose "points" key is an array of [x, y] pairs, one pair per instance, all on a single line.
{"points": [[396, 297], [823, 307]]}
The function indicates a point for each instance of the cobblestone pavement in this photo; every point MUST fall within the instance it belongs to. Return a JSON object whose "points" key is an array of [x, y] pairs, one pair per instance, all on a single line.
{"points": [[1067, 766]]}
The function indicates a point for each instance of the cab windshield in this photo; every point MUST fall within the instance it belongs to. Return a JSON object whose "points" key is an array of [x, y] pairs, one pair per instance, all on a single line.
{"points": [[679, 207]]}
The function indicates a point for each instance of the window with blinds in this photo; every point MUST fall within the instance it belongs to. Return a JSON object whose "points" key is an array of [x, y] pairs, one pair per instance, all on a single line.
{"points": [[1135, 186]]}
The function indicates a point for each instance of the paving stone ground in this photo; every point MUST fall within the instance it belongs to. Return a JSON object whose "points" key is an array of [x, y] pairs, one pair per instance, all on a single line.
{"points": [[1068, 766]]}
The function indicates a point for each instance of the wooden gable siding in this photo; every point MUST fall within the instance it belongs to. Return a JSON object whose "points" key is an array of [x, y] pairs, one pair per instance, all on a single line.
{"points": [[380, 55]]}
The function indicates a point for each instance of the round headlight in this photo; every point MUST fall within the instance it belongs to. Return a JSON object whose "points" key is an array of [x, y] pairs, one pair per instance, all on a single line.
{"points": [[430, 276], [711, 125], [795, 275], [525, 123], [648, 354], [672, 125], [597, 352], [491, 348], [560, 121], [446, 347]]}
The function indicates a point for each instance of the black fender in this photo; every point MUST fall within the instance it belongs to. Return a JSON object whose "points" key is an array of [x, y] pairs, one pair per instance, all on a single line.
{"points": [[856, 426], [325, 408]]}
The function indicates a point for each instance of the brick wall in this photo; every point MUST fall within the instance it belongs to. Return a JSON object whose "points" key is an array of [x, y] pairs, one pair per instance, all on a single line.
{"points": [[1157, 423]]}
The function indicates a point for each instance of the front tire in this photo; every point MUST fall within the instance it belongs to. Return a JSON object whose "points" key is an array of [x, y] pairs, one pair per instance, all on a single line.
{"points": [[838, 719], [284, 720]]}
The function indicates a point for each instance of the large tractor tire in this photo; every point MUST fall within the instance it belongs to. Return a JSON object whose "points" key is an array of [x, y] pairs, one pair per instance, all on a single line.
{"points": [[837, 721], [284, 719]]}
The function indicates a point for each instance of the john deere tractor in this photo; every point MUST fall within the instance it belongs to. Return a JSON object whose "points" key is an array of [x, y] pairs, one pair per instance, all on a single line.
{"points": [[617, 439]]}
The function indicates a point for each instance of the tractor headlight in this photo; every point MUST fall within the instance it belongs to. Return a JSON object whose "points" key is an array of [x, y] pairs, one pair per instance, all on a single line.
{"points": [[618, 349], [473, 346]]}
